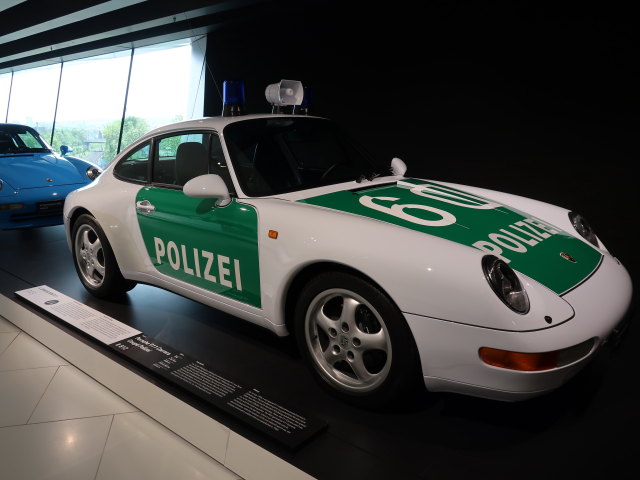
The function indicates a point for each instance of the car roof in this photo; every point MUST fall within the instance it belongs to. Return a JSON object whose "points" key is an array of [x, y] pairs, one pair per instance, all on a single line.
{"points": [[213, 123], [15, 126]]}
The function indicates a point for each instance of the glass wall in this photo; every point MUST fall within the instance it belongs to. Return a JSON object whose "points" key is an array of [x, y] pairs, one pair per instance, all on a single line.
{"points": [[5, 86], [159, 90], [159, 85], [33, 98], [90, 105], [81, 103]]}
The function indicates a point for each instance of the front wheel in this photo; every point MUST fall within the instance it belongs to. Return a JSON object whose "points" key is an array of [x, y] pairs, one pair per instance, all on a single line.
{"points": [[356, 340], [94, 260]]}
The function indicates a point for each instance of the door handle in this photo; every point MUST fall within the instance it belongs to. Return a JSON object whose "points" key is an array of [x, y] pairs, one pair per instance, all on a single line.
{"points": [[145, 206]]}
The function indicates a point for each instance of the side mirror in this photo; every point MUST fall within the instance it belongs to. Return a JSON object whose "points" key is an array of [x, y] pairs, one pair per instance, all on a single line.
{"points": [[64, 149], [398, 167], [208, 186]]}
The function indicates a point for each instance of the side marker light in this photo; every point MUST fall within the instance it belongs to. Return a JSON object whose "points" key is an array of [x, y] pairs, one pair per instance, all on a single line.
{"points": [[528, 362], [273, 234], [534, 362]]}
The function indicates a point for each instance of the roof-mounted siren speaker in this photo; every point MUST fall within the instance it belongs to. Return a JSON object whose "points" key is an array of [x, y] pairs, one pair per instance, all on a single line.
{"points": [[233, 98], [286, 93]]}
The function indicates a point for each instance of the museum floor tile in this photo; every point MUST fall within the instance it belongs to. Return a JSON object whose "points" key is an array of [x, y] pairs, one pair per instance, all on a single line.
{"points": [[58, 423]]}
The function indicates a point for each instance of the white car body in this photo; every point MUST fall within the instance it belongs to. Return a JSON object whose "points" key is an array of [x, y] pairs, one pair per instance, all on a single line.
{"points": [[437, 284]]}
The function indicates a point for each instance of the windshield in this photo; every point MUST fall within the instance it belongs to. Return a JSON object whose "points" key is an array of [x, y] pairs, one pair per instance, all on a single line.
{"points": [[16, 139], [279, 155]]}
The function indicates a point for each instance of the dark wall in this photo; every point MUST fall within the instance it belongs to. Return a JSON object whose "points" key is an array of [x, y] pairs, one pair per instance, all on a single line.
{"points": [[518, 96]]}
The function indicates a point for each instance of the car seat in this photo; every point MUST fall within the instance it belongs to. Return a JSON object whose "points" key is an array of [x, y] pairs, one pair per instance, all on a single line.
{"points": [[191, 161]]}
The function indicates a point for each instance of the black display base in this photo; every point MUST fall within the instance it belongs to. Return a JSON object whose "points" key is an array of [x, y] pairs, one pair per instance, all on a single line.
{"points": [[576, 431], [286, 424]]}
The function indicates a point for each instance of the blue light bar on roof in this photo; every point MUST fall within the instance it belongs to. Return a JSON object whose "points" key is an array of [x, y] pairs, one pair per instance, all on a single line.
{"points": [[305, 106], [233, 98]]}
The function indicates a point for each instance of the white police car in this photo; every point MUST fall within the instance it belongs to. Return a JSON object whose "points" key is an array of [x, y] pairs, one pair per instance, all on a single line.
{"points": [[282, 221]]}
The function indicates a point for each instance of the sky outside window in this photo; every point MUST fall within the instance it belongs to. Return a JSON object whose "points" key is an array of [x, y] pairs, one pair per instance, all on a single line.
{"points": [[93, 90], [33, 97], [165, 86], [5, 85], [92, 96], [159, 89]]}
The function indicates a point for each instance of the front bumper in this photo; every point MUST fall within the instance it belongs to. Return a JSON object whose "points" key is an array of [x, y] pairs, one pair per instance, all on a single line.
{"points": [[449, 350], [34, 207]]}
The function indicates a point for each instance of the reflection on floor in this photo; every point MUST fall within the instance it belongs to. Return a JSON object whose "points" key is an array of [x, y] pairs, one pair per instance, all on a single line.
{"points": [[58, 423]]}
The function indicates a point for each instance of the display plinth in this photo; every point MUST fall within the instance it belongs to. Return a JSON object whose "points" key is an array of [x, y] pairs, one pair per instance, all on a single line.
{"points": [[285, 424]]}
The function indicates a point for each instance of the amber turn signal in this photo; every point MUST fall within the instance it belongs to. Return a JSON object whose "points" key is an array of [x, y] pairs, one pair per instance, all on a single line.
{"points": [[273, 234], [529, 362]]}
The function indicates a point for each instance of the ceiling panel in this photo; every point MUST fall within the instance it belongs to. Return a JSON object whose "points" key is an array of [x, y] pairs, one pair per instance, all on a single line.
{"points": [[38, 32]]}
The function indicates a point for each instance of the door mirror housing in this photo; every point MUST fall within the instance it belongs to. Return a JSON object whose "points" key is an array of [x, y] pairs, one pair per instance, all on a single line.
{"points": [[208, 186]]}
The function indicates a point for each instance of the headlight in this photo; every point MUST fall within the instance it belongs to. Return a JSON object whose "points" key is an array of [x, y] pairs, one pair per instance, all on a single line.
{"points": [[93, 172], [505, 284], [583, 228]]}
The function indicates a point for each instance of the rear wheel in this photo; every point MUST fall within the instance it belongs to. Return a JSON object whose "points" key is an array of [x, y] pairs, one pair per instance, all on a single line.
{"points": [[94, 260], [356, 340]]}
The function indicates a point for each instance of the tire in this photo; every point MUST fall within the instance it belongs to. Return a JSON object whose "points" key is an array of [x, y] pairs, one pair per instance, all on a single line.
{"points": [[356, 340], [94, 260]]}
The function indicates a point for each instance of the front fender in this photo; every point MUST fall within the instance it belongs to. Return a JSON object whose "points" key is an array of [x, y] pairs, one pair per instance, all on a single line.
{"points": [[115, 215], [423, 274], [82, 166]]}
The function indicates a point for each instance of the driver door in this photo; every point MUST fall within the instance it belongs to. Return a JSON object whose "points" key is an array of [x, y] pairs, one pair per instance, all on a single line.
{"points": [[191, 239]]}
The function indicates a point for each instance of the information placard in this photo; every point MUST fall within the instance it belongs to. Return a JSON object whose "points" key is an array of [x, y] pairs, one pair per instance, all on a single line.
{"points": [[92, 322], [281, 422]]}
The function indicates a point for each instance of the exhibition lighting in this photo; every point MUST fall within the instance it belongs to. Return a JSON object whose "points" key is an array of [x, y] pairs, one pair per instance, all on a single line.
{"points": [[233, 99]]}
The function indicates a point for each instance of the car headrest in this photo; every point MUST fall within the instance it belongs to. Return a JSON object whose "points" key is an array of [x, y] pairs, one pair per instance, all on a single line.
{"points": [[191, 161]]}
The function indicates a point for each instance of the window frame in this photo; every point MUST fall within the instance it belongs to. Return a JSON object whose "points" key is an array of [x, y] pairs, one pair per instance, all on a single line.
{"points": [[127, 153], [156, 142], [153, 143]]}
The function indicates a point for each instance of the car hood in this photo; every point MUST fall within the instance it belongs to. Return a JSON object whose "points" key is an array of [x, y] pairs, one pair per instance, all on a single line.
{"points": [[543, 252], [38, 170]]}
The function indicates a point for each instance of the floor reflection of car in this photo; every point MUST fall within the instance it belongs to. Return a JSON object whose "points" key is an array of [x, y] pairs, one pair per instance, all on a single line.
{"points": [[385, 280], [34, 180]]}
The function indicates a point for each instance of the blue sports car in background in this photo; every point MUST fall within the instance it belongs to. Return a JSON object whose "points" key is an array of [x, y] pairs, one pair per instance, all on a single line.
{"points": [[34, 180]]}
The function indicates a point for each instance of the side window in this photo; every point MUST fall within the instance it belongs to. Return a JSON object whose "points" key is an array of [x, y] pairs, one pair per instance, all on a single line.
{"points": [[7, 143], [180, 158], [135, 167], [29, 140]]}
